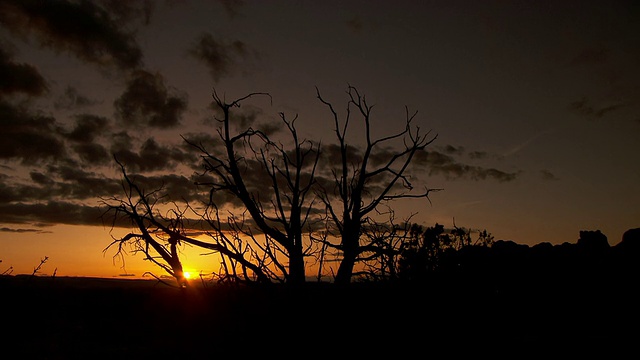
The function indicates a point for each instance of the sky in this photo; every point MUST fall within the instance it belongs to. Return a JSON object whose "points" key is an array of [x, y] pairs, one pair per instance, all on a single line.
{"points": [[535, 105]]}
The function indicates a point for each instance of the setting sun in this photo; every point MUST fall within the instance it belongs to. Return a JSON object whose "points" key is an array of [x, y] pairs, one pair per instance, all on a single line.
{"points": [[187, 275]]}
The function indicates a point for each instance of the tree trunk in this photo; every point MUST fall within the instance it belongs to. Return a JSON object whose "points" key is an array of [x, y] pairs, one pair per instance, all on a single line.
{"points": [[296, 268], [350, 243], [345, 270]]}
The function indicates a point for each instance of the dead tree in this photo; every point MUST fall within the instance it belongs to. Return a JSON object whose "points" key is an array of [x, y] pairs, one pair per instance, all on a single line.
{"points": [[157, 236], [363, 181], [267, 211], [281, 216], [266, 237]]}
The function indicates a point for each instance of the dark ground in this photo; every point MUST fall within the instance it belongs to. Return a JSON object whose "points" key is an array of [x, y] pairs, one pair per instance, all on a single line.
{"points": [[86, 318]]}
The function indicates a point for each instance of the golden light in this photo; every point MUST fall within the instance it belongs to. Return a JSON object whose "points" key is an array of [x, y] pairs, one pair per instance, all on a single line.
{"points": [[187, 275]]}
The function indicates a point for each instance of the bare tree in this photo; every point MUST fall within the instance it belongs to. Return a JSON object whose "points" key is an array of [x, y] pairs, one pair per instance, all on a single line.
{"points": [[266, 237], [267, 212], [159, 236], [362, 182], [283, 215]]}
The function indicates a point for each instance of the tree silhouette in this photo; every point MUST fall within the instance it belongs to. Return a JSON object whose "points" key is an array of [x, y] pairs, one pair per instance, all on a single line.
{"points": [[276, 203], [283, 214], [158, 236], [364, 181], [267, 245]]}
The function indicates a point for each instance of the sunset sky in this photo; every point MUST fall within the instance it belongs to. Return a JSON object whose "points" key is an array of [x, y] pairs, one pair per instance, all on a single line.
{"points": [[536, 107]]}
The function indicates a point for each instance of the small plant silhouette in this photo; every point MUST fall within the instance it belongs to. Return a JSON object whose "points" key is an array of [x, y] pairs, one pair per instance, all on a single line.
{"points": [[8, 271], [37, 268]]}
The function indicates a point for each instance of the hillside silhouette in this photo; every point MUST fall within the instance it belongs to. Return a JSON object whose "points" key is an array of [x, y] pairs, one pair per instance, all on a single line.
{"points": [[574, 296]]}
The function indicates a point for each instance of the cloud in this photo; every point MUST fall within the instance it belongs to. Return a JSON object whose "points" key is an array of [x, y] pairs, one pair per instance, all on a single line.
{"points": [[478, 155], [13, 193], [73, 183], [331, 154], [548, 175], [147, 101], [220, 57], [585, 107], [87, 128], [71, 99], [28, 137], [151, 156], [40, 178], [232, 7], [82, 28], [355, 24], [92, 153], [176, 187], [453, 150], [126, 11], [57, 183], [19, 78], [438, 163], [51, 212], [203, 139], [6, 229], [55, 196]]}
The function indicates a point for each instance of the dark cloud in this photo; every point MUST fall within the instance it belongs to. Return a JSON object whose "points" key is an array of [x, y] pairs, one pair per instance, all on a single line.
{"points": [[87, 128], [147, 101], [241, 119], [585, 107], [57, 183], [10, 193], [220, 57], [126, 11], [331, 154], [152, 152], [71, 99], [246, 117], [40, 178], [548, 175], [232, 7], [121, 140], [28, 137], [19, 78], [460, 151], [10, 230], [92, 153], [453, 150], [176, 187], [151, 156], [478, 155], [437, 163], [53, 196], [205, 140], [82, 28], [78, 185], [51, 212], [355, 24], [432, 162]]}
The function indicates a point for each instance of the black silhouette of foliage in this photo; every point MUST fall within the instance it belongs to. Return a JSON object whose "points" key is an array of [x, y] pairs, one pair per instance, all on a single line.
{"points": [[433, 250]]}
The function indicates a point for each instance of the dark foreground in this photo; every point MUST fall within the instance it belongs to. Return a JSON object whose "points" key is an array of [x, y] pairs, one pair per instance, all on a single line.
{"points": [[84, 318]]}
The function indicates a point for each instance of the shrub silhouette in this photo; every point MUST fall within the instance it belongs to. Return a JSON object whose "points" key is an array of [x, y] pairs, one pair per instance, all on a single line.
{"points": [[507, 264]]}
